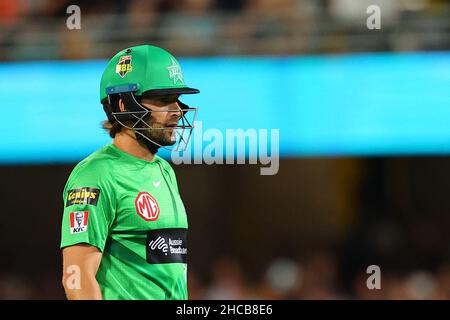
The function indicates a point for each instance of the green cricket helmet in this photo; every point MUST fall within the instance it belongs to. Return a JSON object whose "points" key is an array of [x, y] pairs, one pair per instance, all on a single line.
{"points": [[143, 71]]}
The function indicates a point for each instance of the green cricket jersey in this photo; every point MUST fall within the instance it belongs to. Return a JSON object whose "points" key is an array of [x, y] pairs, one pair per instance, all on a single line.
{"points": [[131, 210]]}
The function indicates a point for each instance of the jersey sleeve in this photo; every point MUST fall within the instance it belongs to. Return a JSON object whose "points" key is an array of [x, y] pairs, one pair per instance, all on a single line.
{"points": [[89, 205]]}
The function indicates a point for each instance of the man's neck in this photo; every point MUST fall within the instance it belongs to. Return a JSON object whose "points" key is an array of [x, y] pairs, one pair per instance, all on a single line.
{"points": [[126, 141]]}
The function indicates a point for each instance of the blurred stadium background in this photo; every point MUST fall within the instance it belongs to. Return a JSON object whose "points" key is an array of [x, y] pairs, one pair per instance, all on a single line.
{"points": [[364, 119]]}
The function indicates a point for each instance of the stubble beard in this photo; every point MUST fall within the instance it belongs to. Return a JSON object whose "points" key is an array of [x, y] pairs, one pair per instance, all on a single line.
{"points": [[160, 134]]}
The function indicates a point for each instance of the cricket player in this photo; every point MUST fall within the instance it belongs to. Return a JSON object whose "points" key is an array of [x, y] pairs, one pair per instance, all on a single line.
{"points": [[124, 224]]}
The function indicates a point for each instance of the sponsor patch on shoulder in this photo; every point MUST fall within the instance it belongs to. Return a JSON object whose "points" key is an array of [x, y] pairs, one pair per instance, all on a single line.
{"points": [[78, 221], [84, 195]]}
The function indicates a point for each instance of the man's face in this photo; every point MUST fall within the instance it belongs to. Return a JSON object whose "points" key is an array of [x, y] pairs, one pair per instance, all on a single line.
{"points": [[164, 117]]}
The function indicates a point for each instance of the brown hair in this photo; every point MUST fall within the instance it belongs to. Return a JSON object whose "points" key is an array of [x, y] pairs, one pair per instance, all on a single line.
{"points": [[112, 128]]}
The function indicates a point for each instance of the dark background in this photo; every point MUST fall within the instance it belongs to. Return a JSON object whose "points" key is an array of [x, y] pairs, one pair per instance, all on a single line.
{"points": [[388, 211]]}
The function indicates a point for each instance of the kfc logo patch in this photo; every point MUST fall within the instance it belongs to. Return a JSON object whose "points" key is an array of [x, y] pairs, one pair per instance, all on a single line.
{"points": [[78, 221], [146, 206]]}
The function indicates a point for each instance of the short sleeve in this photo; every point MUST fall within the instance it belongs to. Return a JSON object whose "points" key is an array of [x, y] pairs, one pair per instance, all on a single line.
{"points": [[88, 209]]}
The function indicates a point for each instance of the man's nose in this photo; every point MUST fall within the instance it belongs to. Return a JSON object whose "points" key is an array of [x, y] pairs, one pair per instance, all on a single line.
{"points": [[174, 109]]}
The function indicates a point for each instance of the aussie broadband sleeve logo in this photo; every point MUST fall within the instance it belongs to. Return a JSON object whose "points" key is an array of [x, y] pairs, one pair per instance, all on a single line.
{"points": [[78, 221], [84, 195], [166, 246]]}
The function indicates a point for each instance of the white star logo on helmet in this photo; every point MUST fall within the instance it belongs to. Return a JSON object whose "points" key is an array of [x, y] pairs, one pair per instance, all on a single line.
{"points": [[175, 72]]}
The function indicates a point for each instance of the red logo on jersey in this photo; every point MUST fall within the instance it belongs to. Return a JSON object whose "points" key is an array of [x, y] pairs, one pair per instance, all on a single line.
{"points": [[78, 221], [146, 206]]}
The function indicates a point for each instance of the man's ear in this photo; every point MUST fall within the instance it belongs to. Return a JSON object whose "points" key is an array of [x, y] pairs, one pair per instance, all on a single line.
{"points": [[121, 105]]}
